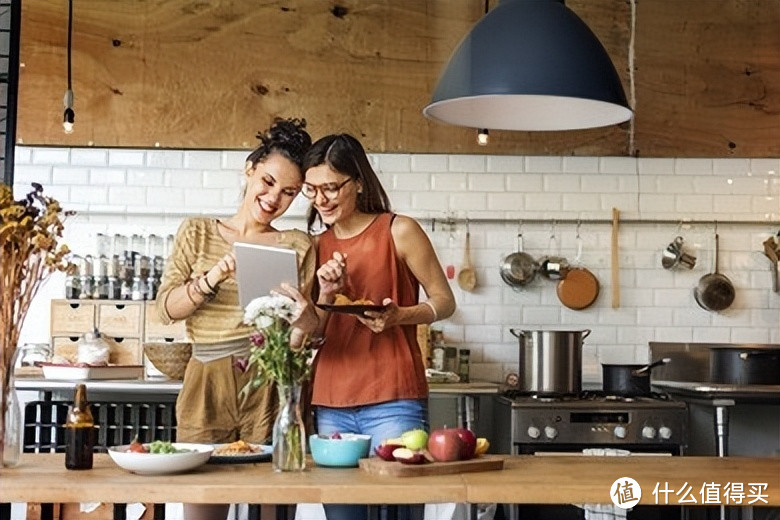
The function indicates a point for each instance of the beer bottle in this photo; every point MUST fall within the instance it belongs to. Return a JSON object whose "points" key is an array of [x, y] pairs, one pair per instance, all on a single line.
{"points": [[79, 432]]}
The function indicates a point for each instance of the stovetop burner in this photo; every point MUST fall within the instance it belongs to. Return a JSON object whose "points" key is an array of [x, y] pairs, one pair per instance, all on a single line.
{"points": [[596, 396]]}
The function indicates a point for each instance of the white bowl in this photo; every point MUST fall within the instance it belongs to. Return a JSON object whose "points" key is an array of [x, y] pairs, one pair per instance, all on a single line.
{"points": [[162, 463]]}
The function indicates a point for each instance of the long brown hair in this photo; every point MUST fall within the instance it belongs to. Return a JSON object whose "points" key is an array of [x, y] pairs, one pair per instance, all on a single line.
{"points": [[344, 154]]}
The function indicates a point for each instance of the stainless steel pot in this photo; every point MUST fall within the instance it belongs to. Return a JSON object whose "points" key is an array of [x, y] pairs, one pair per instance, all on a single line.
{"points": [[550, 361]]}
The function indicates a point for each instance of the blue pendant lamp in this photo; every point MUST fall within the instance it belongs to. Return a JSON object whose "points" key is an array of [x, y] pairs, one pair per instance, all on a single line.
{"points": [[530, 65]]}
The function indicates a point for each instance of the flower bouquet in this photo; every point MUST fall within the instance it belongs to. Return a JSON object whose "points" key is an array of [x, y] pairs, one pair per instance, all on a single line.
{"points": [[281, 355], [30, 230]]}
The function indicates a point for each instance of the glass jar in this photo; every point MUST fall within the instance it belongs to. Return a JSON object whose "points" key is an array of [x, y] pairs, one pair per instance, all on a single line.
{"points": [[463, 365]]}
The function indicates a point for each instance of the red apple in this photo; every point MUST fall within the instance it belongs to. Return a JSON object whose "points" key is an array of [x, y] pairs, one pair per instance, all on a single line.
{"points": [[469, 441], [445, 444], [385, 451], [407, 456]]}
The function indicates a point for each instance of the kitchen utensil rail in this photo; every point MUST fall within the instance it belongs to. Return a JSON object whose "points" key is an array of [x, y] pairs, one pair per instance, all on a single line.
{"points": [[600, 221]]}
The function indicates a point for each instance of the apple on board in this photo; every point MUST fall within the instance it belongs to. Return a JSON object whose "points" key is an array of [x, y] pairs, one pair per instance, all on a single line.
{"points": [[385, 451], [407, 456], [469, 440], [445, 444]]}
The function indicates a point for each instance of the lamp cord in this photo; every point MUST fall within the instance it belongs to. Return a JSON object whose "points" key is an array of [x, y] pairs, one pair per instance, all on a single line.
{"points": [[70, 33]]}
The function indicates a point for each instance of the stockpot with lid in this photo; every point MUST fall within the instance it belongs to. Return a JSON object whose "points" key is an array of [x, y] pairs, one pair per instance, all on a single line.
{"points": [[550, 361]]}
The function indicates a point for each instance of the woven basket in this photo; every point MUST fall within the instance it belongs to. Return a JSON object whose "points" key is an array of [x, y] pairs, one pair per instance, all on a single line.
{"points": [[169, 358]]}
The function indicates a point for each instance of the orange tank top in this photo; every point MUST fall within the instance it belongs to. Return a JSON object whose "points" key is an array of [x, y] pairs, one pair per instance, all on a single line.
{"points": [[356, 366]]}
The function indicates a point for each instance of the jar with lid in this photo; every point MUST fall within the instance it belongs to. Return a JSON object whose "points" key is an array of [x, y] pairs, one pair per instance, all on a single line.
{"points": [[73, 280], [437, 350], [463, 364], [113, 284], [85, 277], [93, 349], [79, 432]]}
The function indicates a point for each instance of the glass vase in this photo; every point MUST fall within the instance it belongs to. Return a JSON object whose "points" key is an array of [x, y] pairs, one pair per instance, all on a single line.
{"points": [[12, 420], [289, 434]]}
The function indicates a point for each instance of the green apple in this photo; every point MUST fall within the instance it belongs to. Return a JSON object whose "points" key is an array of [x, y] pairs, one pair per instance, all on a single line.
{"points": [[415, 439]]}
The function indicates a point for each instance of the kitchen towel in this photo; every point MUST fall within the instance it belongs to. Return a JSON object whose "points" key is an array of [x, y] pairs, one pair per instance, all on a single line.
{"points": [[604, 511]]}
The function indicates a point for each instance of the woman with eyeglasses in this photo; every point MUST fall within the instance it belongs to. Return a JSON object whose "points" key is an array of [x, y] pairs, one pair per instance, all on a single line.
{"points": [[198, 286], [369, 374]]}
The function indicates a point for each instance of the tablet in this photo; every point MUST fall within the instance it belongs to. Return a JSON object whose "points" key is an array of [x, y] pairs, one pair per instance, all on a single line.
{"points": [[259, 269]]}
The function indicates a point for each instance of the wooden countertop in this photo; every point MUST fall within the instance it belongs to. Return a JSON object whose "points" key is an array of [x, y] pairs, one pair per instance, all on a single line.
{"points": [[525, 479]]}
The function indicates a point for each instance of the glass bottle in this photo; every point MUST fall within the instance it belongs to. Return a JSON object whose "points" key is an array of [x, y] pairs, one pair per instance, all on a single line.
{"points": [[85, 277], [79, 432], [463, 365], [289, 433], [73, 281]]}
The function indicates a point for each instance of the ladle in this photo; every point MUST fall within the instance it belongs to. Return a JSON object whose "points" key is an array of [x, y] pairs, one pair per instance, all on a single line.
{"points": [[467, 277]]}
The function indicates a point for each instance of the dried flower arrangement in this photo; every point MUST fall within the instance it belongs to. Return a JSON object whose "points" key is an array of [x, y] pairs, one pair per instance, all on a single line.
{"points": [[30, 231]]}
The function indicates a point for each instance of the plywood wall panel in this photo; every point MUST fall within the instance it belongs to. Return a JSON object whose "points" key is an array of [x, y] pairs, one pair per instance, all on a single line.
{"points": [[209, 74]]}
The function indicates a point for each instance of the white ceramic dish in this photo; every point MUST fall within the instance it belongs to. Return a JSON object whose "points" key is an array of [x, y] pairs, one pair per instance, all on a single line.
{"points": [[162, 463], [264, 455], [82, 373]]}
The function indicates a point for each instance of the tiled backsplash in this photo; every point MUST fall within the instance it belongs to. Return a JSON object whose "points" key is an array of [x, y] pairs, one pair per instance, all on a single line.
{"points": [[149, 191]]}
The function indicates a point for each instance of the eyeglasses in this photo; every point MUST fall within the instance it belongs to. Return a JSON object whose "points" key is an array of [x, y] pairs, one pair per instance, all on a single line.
{"points": [[329, 190]]}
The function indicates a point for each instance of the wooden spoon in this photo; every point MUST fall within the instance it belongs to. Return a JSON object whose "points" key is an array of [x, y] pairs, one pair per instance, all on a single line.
{"points": [[467, 277]]}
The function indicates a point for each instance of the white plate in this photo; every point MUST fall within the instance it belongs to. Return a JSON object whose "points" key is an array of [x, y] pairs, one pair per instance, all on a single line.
{"points": [[161, 463], [81, 373], [264, 455]]}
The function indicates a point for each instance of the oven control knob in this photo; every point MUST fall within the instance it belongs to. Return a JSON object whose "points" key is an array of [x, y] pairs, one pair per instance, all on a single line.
{"points": [[620, 432], [648, 432], [550, 432], [534, 432], [665, 432]]}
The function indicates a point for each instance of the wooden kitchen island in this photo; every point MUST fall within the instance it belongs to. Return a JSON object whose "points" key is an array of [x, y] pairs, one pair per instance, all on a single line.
{"points": [[525, 479]]}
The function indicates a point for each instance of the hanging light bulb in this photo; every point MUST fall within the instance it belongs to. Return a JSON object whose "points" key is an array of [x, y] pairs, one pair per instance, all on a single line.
{"points": [[483, 137], [69, 116]]}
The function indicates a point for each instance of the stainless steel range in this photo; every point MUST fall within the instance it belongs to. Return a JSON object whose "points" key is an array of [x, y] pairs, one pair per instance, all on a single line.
{"points": [[654, 423], [527, 424]]}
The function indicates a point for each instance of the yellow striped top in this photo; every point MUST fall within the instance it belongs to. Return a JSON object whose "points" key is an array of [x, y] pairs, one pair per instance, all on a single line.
{"points": [[197, 248]]}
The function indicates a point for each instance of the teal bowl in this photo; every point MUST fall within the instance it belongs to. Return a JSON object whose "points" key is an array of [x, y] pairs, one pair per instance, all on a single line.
{"points": [[339, 453]]}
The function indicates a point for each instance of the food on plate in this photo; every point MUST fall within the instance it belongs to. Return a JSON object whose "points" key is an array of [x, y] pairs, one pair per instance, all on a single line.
{"points": [[137, 447], [237, 448], [165, 447], [345, 300]]}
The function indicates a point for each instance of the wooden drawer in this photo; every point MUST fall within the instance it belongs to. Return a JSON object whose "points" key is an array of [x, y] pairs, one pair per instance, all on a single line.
{"points": [[125, 351], [120, 319], [155, 330], [67, 347], [71, 317]]}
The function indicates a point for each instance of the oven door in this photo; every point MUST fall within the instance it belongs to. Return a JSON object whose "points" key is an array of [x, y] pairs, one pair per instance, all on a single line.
{"points": [[572, 512]]}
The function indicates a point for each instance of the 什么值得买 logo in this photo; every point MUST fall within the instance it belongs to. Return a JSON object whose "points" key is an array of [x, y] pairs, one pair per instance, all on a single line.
{"points": [[625, 492]]}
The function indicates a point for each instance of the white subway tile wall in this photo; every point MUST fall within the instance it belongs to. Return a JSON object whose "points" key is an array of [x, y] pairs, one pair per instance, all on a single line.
{"points": [[150, 191]]}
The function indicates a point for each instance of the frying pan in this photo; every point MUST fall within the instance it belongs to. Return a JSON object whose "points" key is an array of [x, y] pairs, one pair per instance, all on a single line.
{"points": [[518, 268], [714, 292], [580, 287]]}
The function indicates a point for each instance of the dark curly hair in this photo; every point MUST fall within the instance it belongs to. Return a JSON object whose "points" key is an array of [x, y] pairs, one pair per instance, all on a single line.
{"points": [[286, 137]]}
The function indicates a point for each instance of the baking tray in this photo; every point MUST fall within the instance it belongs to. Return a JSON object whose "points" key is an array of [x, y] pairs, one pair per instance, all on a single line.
{"points": [[81, 373]]}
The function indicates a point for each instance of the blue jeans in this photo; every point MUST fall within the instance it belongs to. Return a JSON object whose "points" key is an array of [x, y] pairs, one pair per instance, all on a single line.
{"points": [[382, 421]]}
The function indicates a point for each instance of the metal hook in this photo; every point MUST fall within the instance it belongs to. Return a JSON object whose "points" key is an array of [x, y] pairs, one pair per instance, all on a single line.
{"points": [[579, 224], [468, 228]]}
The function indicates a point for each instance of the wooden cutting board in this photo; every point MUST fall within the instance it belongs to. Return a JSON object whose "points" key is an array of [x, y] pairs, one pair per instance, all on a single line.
{"points": [[377, 466]]}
